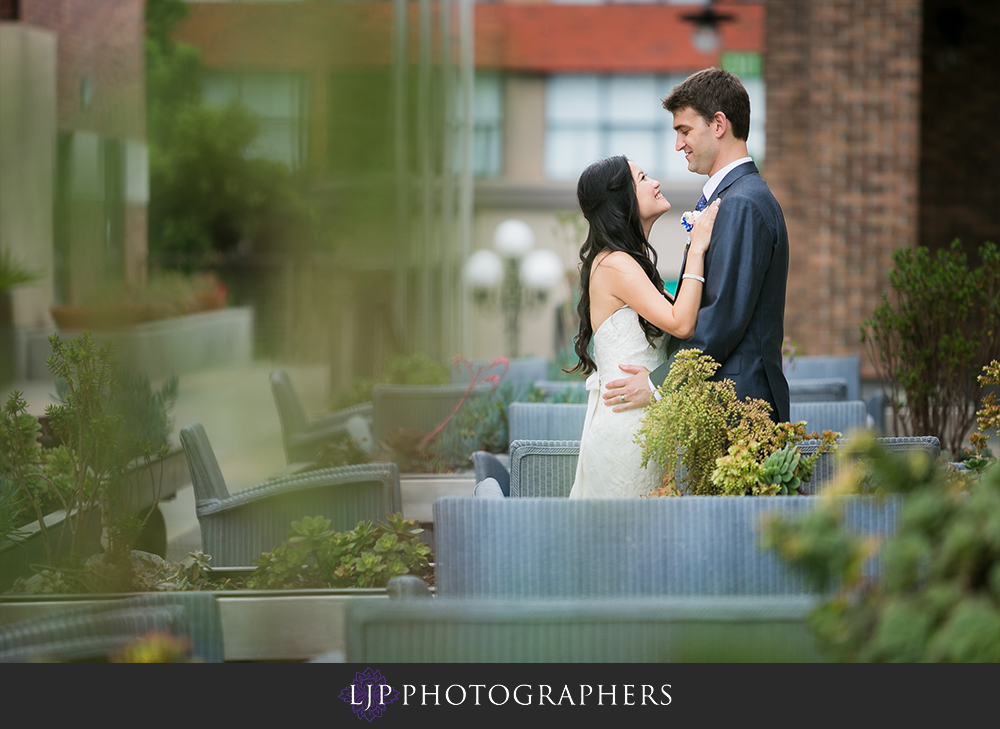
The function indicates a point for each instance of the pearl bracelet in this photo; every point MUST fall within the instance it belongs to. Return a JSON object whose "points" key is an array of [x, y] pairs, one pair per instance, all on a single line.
{"points": [[695, 277]]}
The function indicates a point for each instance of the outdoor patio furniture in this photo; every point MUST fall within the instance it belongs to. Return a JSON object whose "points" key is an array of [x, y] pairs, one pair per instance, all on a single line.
{"points": [[93, 632], [552, 388], [693, 546], [612, 630], [876, 405], [543, 467], [818, 367], [488, 488], [237, 528], [546, 420], [420, 408], [548, 468], [489, 465], [818, 390], [303, 438], [840, 416]]}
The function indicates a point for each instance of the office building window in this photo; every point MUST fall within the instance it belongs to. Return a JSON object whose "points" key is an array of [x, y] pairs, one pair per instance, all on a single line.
{"points": [[278, 100], [487, 125], [589, 117]]}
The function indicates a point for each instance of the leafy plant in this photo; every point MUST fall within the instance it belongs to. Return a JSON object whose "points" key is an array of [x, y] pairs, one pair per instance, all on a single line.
{"points": [[938, 595], [942, 325], [482, 425], [987, 418], [109, 428], [341, 450], [719, 444], [367, 556], [209, 194], [414, 369], [12, 274]]}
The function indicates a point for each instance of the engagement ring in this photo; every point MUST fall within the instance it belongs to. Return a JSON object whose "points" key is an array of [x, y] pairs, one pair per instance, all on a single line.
{"points": [[623, 398]]}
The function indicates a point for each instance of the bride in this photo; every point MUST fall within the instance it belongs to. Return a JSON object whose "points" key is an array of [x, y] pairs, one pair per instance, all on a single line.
{"points": [[624, 312]]}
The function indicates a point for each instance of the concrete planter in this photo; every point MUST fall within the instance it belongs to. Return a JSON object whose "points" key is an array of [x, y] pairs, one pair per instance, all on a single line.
{"points": [[174, 346], [257, 625], [421, 490], [16, 559]]}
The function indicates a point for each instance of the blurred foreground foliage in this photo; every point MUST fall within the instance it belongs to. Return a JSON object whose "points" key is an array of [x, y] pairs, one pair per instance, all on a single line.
{"points": [[938, 596]]}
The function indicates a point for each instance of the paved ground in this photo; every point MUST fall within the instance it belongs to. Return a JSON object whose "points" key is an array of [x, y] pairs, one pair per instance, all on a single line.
{"points": [[239, 415]]}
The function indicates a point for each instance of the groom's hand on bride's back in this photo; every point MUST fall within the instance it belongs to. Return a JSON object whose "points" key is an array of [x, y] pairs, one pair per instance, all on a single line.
{"points": [[628, 393]]}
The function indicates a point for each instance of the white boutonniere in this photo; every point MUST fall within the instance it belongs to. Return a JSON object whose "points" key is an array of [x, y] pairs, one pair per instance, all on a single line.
{"points": [[688, 218]]}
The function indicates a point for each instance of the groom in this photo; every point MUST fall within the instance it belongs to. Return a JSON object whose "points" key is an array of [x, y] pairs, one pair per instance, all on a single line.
{"points": [[740, 322]]}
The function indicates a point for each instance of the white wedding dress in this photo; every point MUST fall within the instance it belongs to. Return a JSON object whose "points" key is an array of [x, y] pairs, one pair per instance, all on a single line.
{"points": [[610, 459]]}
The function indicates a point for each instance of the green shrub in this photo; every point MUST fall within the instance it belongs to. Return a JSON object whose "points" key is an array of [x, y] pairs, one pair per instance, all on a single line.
{"points": [[722, 444], [109, 426], [415, 369], [940, 328], [367, 556], [938, 598]]}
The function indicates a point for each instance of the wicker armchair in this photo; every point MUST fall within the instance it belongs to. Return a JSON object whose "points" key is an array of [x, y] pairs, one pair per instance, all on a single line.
{"points": [[97, 630], [819, 367], [303, 438], [542, 467], [840, 416], [546, 421], [237, 528], [694, 546], [818, 390], [489, 466], [548, 468]]}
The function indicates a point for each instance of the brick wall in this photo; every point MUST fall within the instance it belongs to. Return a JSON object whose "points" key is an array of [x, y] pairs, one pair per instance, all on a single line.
{"points": [[101, 47], [843, 100]]}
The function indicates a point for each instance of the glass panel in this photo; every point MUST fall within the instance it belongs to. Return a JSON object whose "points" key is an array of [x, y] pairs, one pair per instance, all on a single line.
{"points": [[218, 89], [270, 95], [487, 99], [634, 100], [569, 151], [572, 99], [638, 145]]}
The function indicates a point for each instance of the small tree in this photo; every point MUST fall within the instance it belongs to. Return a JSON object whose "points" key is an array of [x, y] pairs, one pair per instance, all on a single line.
{"points": [[941, 327], [110, 426]]}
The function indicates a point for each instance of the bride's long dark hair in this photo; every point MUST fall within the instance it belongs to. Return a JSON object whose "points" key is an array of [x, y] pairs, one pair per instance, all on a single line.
{"points": [[607, 197]]}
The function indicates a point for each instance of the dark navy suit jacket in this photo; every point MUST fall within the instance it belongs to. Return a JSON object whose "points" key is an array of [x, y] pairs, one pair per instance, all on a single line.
{"points": [[741, 319]]}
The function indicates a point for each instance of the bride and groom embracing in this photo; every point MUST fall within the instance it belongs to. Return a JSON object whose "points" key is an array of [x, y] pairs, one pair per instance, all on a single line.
{"points": [[730, 300]]}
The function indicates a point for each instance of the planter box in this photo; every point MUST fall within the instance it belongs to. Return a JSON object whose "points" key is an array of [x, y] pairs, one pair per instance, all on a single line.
{"points": [[421, 490], [16, 558], [257, 625], [175, 346]]}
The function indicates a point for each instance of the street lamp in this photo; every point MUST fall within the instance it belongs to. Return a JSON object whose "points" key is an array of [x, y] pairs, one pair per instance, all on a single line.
{"points": [[517, 280], [706, 34]]}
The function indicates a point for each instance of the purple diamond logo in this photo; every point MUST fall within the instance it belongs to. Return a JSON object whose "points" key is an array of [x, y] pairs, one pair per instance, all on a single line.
{"points": [[369, 694]]}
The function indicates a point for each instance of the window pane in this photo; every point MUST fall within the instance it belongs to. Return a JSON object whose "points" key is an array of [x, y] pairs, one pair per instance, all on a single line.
{"points": [[270, 95], [572, 99], [487, 97], [634, 100], [568, 152], [218, 89], [639, 146]]}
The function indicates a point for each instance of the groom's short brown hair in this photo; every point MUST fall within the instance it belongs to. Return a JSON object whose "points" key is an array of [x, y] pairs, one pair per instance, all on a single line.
{"points": [[712, 90]]}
